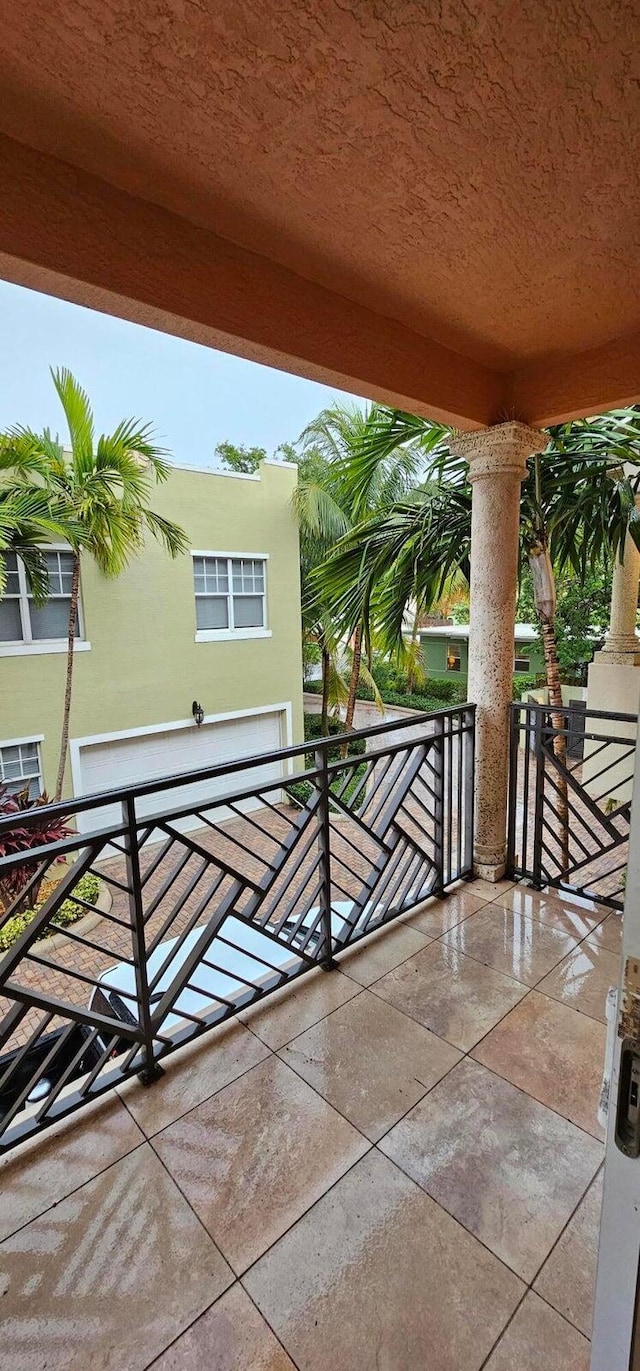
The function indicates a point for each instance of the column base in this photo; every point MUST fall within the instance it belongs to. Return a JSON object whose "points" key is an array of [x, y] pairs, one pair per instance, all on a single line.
{"points": [[489, 866], [616, 656]]}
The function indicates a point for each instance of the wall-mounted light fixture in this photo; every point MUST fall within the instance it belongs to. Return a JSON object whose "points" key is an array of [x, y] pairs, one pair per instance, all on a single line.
{"points": [[198, 713]]}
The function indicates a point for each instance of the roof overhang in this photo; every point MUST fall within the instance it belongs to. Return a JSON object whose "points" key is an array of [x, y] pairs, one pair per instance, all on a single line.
{"points": [[440, 213]]}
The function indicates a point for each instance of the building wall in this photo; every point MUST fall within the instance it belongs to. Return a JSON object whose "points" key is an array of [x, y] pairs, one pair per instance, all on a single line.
{"points": [[434, 651], [144, 666]]}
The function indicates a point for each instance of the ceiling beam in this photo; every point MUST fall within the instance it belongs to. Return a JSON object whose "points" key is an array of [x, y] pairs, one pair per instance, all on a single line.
{"points": [[71, 234], [591, 382]]}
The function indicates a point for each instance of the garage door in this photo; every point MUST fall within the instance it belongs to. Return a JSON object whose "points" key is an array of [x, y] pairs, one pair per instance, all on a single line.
{"points": [[131, 761]]}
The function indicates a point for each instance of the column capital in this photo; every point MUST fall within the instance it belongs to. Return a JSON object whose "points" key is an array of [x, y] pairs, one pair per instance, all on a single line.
{"points": [[500, 450]]}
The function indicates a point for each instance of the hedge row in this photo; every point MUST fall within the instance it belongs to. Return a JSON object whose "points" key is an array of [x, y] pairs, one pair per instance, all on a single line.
{"points": [[87, 888]]}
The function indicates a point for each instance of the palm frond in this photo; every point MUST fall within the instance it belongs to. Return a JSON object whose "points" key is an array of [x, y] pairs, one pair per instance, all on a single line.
{"points": [[78, 414]]}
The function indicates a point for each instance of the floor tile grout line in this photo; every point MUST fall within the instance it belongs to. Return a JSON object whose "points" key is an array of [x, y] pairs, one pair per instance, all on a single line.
{"points": [[503, 908], [238, 1279], [530, 1291], [464, 1055], [427, 943], [237, 1284], [76, 1189], [371, 1147], [502, 1332], [461, 1222], [321, 1019], [427, 1089], [592, 1182], [532, 990], [585, 1131], [274, 1052], [202, 1225], [262, 1315], [468, 1052], [464, 1050], [206, 1098]]}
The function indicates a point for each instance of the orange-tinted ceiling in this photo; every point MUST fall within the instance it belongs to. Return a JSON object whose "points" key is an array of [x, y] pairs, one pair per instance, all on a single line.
{"points": [[470, 170]]}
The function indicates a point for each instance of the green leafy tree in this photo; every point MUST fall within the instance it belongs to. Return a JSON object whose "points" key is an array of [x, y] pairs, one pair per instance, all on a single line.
{"points": [[102, 488], [582, 615], [237, 457], [330, 502]]}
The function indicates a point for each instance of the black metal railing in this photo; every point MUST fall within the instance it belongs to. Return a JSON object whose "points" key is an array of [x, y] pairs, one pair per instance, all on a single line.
{"points": [[571, 781], [209, 890]]}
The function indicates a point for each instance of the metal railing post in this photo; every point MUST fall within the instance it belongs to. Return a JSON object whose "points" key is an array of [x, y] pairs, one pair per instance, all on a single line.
{"points": [[151, 1070], [539, 799], [514, 739], [469, 789], [324, 842], [438, 810]]}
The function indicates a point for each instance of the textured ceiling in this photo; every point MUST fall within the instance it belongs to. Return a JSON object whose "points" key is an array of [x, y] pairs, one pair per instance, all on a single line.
{"points": [[470, 169]]}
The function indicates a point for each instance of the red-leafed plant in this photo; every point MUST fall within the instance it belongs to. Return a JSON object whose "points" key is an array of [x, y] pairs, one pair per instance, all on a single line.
{"points": [[23, 837]]}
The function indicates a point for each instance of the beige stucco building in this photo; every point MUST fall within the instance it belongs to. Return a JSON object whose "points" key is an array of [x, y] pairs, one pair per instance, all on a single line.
{"points": [[219, 627]]}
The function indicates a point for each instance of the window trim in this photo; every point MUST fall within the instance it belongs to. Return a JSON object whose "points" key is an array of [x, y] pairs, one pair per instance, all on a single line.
{"points": [[228, 633], [28, 646], [520, 653], [38, 739], [454, 650]]}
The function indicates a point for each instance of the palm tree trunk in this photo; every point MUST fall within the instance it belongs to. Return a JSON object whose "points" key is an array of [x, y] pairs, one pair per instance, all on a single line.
{"points": [[73, 619], [354, 678], [324, 709], [411, 668], [353, 685], [552, 670]]}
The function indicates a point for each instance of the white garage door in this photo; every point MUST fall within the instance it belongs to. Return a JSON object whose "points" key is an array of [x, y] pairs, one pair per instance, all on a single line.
{"points": [[131, 761]]}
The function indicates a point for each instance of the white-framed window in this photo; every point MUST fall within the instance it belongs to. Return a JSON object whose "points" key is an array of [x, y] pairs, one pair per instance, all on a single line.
{"points": [[21, 619], [230, 593], [20, 767], [453, 657], [522, 660]]}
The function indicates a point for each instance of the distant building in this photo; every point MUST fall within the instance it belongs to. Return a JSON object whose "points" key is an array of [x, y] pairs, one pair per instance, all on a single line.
{"points": [[445, 650], [217, 628]]}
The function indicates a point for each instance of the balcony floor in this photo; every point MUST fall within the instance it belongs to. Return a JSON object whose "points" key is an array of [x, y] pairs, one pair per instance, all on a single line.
{"points": [[393, 1165]]}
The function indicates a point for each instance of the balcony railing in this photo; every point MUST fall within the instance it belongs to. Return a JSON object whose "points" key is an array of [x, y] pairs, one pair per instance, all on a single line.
{"points": [[570, 799], [215, 888]]}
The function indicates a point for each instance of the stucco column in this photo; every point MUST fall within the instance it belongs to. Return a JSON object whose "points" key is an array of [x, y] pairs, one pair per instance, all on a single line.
{"points": [[613, 679], [497, 467], [621, 644]]}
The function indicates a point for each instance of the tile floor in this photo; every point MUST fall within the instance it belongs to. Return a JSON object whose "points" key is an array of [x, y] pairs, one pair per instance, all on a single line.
{"points": [[396, 1165]]}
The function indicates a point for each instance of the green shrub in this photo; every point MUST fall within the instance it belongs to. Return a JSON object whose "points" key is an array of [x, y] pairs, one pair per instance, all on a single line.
{"points": [[522, 684], [301, 790], [313, 730], [425, 703], [437, 693], [88, 888]]}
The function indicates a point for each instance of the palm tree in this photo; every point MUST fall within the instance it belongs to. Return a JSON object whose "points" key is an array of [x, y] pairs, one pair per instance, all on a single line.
{"points": [[321, 523], [28, 516], [577, 506], [333, 497], [101, 489]]}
